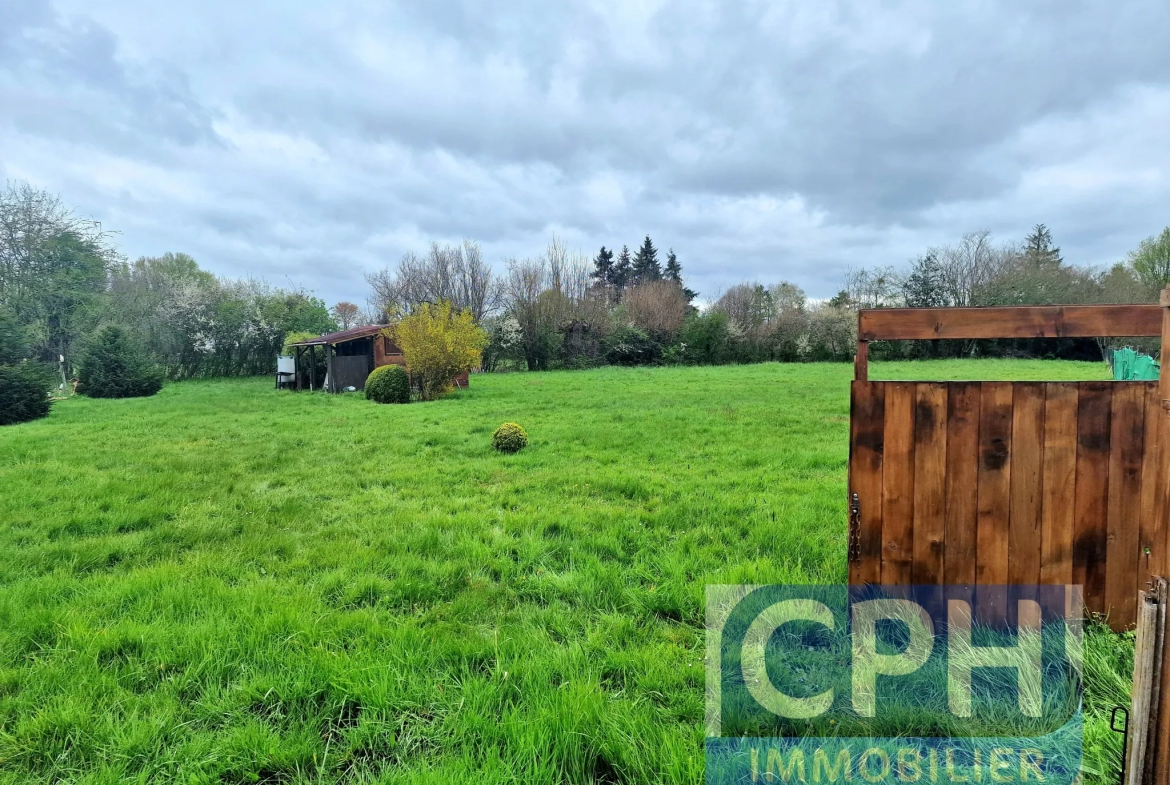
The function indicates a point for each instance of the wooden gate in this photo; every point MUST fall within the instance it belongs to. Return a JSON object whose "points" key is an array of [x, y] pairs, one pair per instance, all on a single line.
{"points": [[993, 483]]}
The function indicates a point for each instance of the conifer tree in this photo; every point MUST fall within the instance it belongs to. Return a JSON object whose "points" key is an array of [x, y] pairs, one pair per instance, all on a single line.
{"points": [[623, 270], [673, 272], [603, 267], [1038, 248], [646, 267]]}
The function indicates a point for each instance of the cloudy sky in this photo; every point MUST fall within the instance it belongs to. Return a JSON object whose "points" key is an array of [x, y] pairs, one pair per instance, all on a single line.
{"points": [[308, 143]]}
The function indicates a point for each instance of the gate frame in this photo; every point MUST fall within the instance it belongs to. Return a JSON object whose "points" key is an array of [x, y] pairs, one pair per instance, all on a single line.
{"points": [[1068, 321], [1015, 321]]}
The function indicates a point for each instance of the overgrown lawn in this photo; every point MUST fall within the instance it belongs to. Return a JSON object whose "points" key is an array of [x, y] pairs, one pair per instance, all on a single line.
{"points": [[226, 583]]}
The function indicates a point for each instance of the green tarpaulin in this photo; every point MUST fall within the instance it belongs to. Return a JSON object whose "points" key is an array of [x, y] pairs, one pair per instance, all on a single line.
{"points": [[1129, 366]]}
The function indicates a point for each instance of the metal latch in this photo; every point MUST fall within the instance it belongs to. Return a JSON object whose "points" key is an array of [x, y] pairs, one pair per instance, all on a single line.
{"points": [[854, 528]]}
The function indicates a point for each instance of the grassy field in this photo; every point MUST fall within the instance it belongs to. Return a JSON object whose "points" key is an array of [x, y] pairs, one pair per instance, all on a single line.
{"points": [[226, 583]]}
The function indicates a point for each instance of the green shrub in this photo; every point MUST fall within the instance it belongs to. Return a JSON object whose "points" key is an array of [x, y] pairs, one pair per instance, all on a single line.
{"points": [[24, 392], [388, 384], [627, 345], [707, 338], [13, 338], [509, 437], [113, 365]]}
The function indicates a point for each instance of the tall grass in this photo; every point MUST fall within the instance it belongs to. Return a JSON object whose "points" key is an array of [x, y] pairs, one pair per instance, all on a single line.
{"points": [[226, 583]]}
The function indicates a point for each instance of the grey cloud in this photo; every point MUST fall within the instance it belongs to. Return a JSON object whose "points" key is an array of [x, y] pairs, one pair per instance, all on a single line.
{"points": [[892, 127], [868, 134], [63, 79]]}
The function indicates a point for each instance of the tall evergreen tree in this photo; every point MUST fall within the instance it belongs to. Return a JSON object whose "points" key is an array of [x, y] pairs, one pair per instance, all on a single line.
{"points": [[603, 267], [646, 267], [623, 270], [1038, 248], [673, 272]]}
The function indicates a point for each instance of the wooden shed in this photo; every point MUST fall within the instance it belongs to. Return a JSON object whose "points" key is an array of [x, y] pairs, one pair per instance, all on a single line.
{"points": [[350, 355]]}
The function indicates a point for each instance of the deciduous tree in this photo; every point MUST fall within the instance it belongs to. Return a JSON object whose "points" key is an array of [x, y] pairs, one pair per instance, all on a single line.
{"points": [[923, 287], [53, 268], [439, 343], [1151, 260], [345, 314], [455, 273], [658, 307]]}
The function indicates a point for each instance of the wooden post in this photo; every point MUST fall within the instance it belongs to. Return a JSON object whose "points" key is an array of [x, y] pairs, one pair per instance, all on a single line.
{"points": [[1159, 763], [861, 362], [312, 367], [1143, 714], [297, 366], [330, 382]]}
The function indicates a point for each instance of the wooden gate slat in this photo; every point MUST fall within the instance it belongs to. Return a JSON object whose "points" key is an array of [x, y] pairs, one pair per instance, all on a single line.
{"points": [[867, 425], [1025, 522], [930, 453], [995, 445], [962, 482], [1060, 461], [995, 464], [1127, 433], [1092, 491], [1152, 531], [898, 484]]}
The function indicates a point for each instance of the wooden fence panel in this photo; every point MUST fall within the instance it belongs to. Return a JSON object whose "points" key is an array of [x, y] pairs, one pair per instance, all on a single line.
{"points": [[1090, 518], [1127, 423], [1058, 483], [995, 453], [991, 483], [930, 454], [1025, 520], [963, 405], [898, 485]]}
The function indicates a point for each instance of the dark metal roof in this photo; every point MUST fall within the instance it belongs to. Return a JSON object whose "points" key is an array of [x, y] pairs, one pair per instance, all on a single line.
{"points": [[352, 334]]}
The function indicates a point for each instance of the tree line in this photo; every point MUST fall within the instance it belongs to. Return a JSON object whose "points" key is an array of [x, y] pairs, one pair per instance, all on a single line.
{"points": [[62, 279], [980, 271], [563, 309]]}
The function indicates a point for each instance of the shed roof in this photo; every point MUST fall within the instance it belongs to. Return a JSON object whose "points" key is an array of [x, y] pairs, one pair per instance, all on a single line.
{"points": [[352, 334]]}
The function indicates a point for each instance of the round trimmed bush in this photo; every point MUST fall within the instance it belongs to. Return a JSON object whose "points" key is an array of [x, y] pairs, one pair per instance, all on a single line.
{"points": [[388, 384], [509, 437], [24, 392], [114, 365]]}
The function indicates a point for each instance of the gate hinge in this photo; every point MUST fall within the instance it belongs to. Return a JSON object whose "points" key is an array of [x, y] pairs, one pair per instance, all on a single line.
{"points": [[854, 528]]}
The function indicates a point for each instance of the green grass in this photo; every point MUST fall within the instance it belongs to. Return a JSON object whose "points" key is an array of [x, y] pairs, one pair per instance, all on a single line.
{"points": [[226, 583]]}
